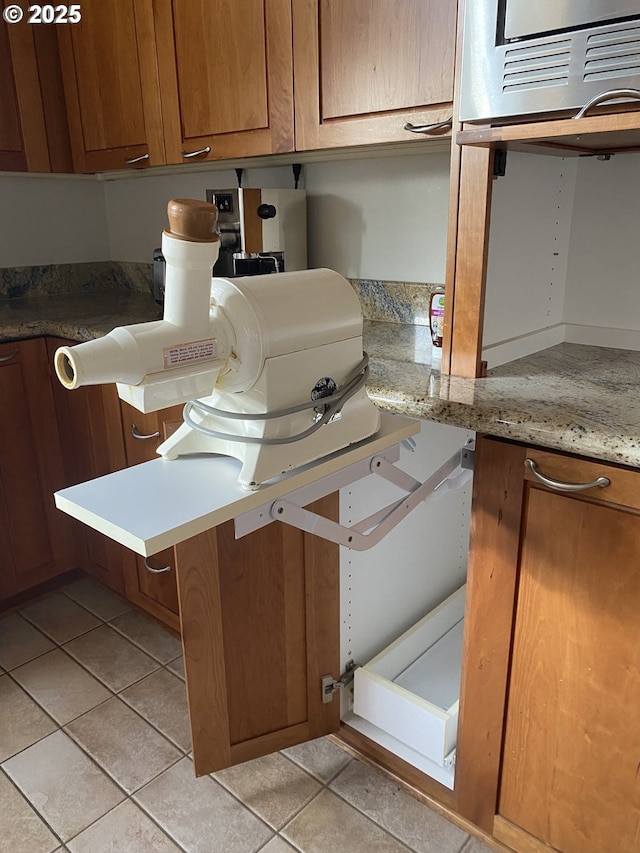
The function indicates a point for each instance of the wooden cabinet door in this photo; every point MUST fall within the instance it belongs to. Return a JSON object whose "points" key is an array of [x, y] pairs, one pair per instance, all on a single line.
{"points": [[260, 627], [151, 582], [33, 120], [36, 540], [572, 739], [362, 69], [226, 75], [111, 86], [547, 747]]}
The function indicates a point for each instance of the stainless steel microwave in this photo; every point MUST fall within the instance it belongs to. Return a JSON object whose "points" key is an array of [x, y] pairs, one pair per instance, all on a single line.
{"points": [[544, 56]]}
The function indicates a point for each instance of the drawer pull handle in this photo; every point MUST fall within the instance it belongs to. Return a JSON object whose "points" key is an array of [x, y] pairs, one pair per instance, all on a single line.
{"points": [[130, 161], [155, 571], [189, 154], [9, 357], [560, 486], [428, 128], [608, 96], [138, 435]]}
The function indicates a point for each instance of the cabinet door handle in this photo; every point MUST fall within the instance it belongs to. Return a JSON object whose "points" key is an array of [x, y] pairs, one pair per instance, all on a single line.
{"points": [[155, 571], [131, 160], [138, 435], [560, 485], [189, 154], [428, 128], [608, 96], [9, 357]]}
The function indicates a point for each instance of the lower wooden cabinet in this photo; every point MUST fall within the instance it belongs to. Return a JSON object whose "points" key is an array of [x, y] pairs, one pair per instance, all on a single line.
{"points": [[151, 583], [549, 750], [91, 445], [36, 544]]}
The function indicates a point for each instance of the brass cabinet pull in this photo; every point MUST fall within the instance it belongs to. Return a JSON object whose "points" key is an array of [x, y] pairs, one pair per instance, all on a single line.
{"points": [[140, 437], [131, 160], [428, 128], [155, 571], [189, 154], [9, 357], [608, 96], [560, 485]]}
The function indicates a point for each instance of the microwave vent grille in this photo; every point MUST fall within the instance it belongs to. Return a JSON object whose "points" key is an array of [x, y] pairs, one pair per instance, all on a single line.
{"points": [[536, 66], [614, 54]]}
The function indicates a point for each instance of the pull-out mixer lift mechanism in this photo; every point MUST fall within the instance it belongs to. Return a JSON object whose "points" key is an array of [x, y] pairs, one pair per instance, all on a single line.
{"points": [[272, 372]]}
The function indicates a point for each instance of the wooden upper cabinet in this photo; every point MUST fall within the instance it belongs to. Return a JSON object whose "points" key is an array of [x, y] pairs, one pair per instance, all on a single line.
{"points": [[363, 69], [33, 120], [111, 86], [226, 77]]}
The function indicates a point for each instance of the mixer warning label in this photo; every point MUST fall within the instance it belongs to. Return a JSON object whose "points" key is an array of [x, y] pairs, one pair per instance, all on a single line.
{"points": [[185, 353]]}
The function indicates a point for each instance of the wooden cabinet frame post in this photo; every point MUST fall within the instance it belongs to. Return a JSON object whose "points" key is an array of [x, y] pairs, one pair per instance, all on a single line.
{"points": [[491, 591], [472, 177]]}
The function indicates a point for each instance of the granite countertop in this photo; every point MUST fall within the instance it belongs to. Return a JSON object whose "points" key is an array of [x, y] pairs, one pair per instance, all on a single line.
{"points": [[76, 316], [570, 397]]}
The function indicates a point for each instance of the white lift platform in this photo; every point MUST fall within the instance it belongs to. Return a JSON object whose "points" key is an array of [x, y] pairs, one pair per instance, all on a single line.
{"points": [[158, 504]]}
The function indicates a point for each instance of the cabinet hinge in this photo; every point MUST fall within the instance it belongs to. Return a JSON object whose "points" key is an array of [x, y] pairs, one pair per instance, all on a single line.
{"points": [[329, 685]]}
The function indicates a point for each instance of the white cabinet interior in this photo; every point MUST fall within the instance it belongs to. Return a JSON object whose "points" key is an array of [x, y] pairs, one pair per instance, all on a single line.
{"points": [[388, 589], [563, 257]]}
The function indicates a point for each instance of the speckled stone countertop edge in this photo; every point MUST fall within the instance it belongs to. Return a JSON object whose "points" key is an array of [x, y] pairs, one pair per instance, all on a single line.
{"points": [[503, 423]]}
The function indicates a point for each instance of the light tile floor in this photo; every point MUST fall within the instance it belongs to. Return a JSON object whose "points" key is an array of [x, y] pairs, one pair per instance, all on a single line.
{"points": [[94, 755]]}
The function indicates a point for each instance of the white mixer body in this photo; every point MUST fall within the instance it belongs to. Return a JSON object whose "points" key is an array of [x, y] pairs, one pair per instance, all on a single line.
{"points": [[295, 334]]}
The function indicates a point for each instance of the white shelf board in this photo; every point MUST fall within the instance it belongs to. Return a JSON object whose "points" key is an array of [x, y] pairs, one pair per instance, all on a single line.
{"points": [[389, 691], [435, 675], [158, 504], [444, 775]]}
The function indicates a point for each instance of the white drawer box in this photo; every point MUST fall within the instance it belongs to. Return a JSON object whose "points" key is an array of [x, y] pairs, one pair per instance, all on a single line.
{"points": [[410, 690]]}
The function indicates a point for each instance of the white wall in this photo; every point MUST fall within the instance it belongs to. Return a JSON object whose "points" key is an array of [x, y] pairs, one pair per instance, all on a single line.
{"points": [[528, 253], [51, 220], [564, 255], [383, 217], [380, 218], [603, 276]]}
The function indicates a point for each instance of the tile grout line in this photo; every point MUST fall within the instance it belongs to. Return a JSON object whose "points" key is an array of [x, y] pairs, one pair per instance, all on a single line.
{"points": [[110, 777], [107, 687], [32, 807], [324, 785]]}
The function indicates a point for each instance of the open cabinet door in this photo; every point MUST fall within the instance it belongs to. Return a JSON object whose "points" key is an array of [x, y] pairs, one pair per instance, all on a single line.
{"points": [[260, 627]]}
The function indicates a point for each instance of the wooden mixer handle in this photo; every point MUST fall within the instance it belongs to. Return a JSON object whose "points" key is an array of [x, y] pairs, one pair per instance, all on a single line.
{"points": [[193, 220]]}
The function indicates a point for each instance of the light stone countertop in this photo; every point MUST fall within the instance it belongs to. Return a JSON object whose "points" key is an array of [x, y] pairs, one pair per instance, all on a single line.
{"points": [[570, 397], [573, 398]]}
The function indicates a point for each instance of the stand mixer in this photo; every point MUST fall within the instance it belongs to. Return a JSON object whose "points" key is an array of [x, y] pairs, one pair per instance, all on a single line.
{"points": [[271, 368]]}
